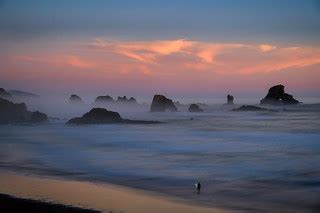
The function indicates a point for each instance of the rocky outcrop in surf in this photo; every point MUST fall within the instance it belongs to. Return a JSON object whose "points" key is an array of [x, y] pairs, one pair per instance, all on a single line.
{"points": [[107, 99], [195, 108], [4, 94], [162, 104], [104, 99], [75, 99], [124, 99], [103, 116], [277, 96], [250, 108], [17, 113], [230, 100]]}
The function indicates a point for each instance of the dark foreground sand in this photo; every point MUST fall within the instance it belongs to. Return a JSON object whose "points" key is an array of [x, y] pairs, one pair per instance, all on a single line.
{"points": [[10, 204], [101, 197]]}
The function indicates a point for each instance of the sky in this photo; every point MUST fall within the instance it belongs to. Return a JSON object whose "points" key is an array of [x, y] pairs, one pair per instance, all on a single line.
{"points": [[196, 48]]}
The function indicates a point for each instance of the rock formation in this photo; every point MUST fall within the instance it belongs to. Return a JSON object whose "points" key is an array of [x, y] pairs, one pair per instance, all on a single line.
{"points": [[75, 99], [250, 108], [124, 99], [37, 117], [104, 99], [230, 100], [4, 94], [195, 108], [277, 96], [103, 116], [18, 113], [132, 100], [162, 104]]}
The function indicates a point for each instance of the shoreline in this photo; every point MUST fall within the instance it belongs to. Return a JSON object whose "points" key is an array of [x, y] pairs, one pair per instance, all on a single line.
{"points": [[83, 194]]}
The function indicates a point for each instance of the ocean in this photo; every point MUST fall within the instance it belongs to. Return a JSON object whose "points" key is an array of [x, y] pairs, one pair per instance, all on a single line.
{"points": [[245, 161]]}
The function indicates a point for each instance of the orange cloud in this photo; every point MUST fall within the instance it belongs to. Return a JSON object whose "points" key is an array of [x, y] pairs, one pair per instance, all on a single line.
{"points": [[69, 60], [266, 47], [220, 57], [144, 51], [176, 63], [79, 63]]}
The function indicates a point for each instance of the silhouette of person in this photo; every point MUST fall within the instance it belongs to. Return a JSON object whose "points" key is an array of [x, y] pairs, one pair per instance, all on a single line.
{"points": [[198, 187]]}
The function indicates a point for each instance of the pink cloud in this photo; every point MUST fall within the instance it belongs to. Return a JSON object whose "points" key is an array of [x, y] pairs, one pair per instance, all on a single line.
{"points": [[222, 57], [79, 63], [169, 64], [68, 60]]}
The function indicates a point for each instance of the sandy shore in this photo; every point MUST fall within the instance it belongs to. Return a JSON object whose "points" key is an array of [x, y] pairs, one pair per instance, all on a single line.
{"points": [[104, 197]]}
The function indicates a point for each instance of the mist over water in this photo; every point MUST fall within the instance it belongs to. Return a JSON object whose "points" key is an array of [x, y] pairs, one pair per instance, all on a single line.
{"points": [[246, 161]]}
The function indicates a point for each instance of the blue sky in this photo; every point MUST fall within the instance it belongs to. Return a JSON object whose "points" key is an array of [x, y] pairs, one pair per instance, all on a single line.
{"points": [[284, 21]]}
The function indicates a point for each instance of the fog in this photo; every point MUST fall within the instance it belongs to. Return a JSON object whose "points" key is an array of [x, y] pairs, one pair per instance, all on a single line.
{"points": [[262, 161]]}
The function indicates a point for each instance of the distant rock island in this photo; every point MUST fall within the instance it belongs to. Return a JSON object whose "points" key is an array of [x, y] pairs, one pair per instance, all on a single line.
{"points": [[195, 108], [103, 116], [4, 94], [230, 100], [121, 100], [162, 104], [277, 96], [124, 99], [18, 113], [75, 99], [22, 94], [104, 99], [248, 108]]}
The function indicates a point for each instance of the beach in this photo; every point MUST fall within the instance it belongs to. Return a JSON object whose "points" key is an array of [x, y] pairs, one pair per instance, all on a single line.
{"points": [[245, 161], [102, 197]]}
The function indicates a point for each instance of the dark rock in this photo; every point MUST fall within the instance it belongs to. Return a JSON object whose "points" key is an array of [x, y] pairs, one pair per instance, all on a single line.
{"points": [[103, 116], [22, 94], [75, 99], [18, 113], [277, 96], [250, 108], [104, 99], [230, 100], [4, 94], [195, 108], [162, 104], [132, 100], [122, 99], [37, 117], [127, 101]]}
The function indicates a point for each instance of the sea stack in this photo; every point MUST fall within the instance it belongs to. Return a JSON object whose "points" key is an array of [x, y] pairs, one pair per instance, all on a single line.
{"points": [[124, 99], [277, 96], [17, 113], [75, 99], [104, 99], [103, 116], [230, 100], [250, 108], [162, 104], [4, 94], [195, 108]]}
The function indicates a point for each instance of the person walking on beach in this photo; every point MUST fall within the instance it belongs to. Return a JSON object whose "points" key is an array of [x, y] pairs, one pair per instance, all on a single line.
{"points": [[198, 187]]}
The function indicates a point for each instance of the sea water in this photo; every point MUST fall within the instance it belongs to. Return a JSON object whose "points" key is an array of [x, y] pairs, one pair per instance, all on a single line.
{"points": [[245, 161]]}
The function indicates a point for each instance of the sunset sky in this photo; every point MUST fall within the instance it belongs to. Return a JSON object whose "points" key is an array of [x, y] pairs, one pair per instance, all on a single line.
{"points": [[180, 48]]}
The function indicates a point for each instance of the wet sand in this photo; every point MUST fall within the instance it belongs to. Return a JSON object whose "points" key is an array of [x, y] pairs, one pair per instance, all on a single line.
{"points": [[103, 197]]}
